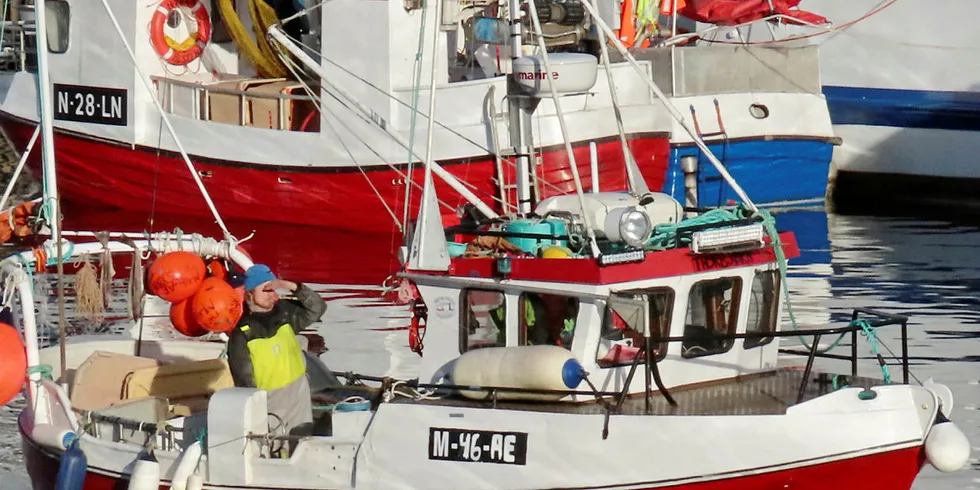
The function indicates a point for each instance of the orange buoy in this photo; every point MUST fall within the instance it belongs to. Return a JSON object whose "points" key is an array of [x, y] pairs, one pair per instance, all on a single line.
{"points": [[216, 306], [217, 269], [176, 276], [13, 363], [15, 222], [22, 216], [182, 316]]}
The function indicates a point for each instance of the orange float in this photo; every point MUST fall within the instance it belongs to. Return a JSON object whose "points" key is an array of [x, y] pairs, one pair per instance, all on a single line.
{"points": [[182, 316], [180, 52], [216, 306], [13, 363], [176, 276], [217, 268], [15, 222]]}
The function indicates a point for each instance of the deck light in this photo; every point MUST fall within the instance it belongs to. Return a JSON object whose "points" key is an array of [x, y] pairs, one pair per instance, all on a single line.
{"points": [[734, 239]]}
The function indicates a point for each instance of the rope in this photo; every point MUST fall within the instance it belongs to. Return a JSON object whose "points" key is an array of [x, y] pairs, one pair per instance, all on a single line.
{"points": [[869, 332], [443, 126], [46, 255], [416, 90], [414, 394], [10, 283], [166, 119], [769, 224], [258, 53], [291, 66], [665, 236], [44, 370]]}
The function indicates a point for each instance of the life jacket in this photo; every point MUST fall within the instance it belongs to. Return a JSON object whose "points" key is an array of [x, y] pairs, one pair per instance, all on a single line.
{"points": [[277, 360]]}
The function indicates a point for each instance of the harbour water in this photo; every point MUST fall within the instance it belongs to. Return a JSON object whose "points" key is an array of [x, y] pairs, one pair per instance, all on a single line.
{"points": [[924, 268]]}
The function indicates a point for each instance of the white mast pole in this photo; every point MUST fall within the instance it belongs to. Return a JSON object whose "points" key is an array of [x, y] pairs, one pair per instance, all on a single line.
{"points": [[49, 175], [46, 117], [429, 159], [518, 135]]}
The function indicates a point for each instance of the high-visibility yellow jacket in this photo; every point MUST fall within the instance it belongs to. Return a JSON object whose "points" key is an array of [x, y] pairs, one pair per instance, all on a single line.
{"points": [[262, 349]]}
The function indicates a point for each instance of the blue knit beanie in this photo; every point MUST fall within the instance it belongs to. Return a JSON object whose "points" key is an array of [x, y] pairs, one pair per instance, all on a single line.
{"points": [[257, 275]]}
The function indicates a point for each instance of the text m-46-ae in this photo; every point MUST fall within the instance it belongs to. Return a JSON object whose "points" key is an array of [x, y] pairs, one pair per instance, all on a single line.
{"points": [[477, 446]]}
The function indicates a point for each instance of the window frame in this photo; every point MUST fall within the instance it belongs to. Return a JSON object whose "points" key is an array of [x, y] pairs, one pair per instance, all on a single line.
{"points": [[464, 316], [736, 300], [752, 343], [661, 342], [522, 334], [54, 17]]}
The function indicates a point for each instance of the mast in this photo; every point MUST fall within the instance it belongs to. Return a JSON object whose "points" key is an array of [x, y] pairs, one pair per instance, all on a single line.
{"points": [[45, 119], [519, 137], [50, 200]]}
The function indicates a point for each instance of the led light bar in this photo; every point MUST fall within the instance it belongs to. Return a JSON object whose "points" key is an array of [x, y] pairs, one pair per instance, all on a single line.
{"points": [[622, 257], [735, 239]]}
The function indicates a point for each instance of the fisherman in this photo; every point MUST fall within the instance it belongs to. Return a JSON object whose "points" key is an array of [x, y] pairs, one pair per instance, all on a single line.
{"points": [[549, 319], [264, 353]]}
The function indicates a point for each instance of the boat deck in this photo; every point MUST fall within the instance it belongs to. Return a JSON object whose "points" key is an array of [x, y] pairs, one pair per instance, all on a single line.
{"points": [[761, 394]]}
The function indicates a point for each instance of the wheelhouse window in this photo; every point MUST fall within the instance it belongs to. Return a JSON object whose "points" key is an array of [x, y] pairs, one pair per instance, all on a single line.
{"points": [[58, 15], [483, 319], [547, 319], [624, 321], [712, 309], [763, 307]]}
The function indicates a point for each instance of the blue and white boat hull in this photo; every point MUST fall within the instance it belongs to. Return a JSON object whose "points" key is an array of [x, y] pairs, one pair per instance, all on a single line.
{"points": [[777, 146]]}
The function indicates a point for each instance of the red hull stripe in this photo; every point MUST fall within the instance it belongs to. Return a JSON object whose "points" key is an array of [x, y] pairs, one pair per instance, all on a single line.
{"points": [[890, 470], [95, 171]]}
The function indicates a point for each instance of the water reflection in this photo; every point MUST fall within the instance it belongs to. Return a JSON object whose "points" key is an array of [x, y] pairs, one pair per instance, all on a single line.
{"points": [[924, 268]]}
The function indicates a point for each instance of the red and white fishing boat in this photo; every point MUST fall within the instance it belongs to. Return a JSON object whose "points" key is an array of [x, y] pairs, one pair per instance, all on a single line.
{"points": [[277, 142], [274, 140], [531, 329]]}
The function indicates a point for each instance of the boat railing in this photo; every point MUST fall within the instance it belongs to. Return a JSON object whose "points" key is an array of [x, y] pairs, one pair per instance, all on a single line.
{"points": [[18, 51], [863, 319], [241, 101]]}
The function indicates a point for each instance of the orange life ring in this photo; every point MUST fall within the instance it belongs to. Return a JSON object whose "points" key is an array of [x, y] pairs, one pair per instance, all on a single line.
{"points": [[171, 51]]}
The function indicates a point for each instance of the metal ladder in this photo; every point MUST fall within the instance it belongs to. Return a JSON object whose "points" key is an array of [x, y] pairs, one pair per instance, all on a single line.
{"points": [[506, 177], [721, 132]]}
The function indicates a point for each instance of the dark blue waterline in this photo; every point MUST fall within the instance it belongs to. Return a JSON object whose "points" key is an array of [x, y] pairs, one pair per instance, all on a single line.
{"points": [[926, 109], [775, 171]]}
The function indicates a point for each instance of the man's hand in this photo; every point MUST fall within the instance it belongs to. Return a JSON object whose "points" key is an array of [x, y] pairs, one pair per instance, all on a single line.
{"points": [[281, 284]]}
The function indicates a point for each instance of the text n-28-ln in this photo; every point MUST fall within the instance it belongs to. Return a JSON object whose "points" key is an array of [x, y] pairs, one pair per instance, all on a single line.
{"points": [[477, 446], [97, 105]]}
